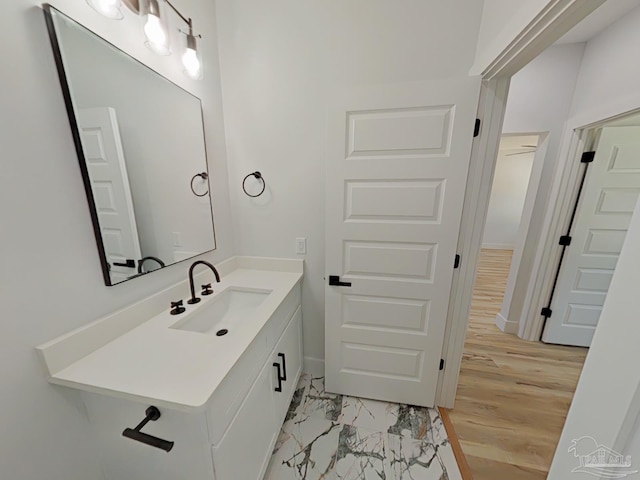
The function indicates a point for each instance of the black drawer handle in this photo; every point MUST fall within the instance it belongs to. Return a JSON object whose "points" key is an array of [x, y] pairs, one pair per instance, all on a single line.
{"points": [[279, 387], [334, 281], [153, 414], [284, 366]]}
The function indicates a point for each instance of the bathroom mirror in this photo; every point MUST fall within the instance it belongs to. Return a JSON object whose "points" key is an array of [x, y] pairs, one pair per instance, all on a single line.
{"points": [[140, 143]]}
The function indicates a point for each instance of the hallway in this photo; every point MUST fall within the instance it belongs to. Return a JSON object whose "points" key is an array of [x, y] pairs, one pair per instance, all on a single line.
{"points": [[513, 395]]}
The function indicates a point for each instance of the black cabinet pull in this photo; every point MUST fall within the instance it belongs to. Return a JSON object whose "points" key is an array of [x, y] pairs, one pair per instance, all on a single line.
{"points": [[129, 263], [153, 414], [279, 387], [334, 281], [284, 366]]}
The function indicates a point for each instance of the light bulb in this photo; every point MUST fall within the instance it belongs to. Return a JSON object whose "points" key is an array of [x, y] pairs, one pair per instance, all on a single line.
{"points": [[191, 63], [108, 8], [154, 30]]}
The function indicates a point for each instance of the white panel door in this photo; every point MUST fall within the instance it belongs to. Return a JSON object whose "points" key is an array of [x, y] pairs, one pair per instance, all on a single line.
{"points": [[398, 158], [606, 203], [105, 161]]}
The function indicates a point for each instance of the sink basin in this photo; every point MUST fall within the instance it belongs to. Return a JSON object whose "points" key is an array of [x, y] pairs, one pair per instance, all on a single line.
{"points": [[227, 310]]}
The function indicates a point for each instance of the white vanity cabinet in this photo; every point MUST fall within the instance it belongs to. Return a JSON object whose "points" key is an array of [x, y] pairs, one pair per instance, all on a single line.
{"points": [[245, 449], [232, 436]]}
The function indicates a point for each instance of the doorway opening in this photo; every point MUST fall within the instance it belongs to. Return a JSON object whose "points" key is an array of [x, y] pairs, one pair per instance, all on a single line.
{"points": [[514, 391], [513, 192], [504, 380], [514, 187]]}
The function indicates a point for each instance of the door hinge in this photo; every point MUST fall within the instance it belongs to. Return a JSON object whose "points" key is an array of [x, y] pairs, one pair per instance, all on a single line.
{"points": [[456, 263], [546, 312], [587, 157], [476, 129], [442, 364], [565, 240]]}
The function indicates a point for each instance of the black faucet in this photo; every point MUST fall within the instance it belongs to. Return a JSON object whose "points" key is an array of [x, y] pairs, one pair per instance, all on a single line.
{"points": [[193, 298], [144, 259]]}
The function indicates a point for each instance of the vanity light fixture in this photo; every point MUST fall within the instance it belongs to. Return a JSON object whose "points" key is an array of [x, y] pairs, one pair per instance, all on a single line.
{"points": [[156, 29], [108, 8], [191, 57]]}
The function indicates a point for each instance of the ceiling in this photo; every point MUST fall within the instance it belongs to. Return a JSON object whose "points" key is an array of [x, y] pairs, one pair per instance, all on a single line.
{"points": [[601, 18]]}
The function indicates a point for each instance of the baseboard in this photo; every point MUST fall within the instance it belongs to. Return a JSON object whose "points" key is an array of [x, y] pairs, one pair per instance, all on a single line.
{"points": [[314, 366], [507, 326], [498, 246]]}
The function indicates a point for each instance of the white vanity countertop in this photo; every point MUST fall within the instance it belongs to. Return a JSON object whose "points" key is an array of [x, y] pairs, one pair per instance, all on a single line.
{"points": [[175, 368]]}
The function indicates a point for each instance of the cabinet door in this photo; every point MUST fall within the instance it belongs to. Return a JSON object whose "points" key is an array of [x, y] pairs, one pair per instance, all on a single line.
{"points": [[245, 449], [288, 355]]}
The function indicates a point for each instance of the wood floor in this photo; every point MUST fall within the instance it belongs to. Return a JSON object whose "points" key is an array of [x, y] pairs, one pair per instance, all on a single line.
{"points": [[513, 395]]}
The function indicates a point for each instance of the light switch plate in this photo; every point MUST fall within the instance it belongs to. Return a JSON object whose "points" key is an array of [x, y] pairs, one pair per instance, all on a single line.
{"points": [[301, 246]]}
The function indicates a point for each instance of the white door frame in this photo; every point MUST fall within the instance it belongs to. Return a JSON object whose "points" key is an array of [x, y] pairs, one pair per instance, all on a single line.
{"points": [[556, 19]]}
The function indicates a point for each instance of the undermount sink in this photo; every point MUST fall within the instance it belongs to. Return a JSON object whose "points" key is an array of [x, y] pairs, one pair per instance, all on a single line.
{"points": [[222, 313]]}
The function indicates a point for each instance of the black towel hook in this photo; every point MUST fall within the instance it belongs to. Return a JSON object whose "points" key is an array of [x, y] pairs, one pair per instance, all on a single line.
{"points": [[204, 176], [258, 176]]}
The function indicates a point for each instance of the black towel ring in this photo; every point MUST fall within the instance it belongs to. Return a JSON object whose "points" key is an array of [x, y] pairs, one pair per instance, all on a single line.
{"points": [[258, 176], [204, 176]]}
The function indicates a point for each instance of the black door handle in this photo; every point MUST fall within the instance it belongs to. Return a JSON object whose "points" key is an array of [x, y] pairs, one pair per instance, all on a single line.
{"points": [[334, 281], [130, 263], [279, 387]]}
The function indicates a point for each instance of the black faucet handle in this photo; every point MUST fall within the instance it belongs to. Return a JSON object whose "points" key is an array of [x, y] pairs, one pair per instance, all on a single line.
{"points": [[177, 308], [206, 289]]}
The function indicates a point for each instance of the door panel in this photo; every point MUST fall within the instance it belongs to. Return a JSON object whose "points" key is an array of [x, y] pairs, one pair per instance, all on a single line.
{"points": [[402, 131], [414, 201], [608, 198], [374, 312], [380, 360], [398, 157]]}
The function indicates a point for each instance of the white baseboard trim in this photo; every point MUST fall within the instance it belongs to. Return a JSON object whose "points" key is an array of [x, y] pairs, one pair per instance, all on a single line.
{"points": [[314, 366], [498, 246], [507, 326]]}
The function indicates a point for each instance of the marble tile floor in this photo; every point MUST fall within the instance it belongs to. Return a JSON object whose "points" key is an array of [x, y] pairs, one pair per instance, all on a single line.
{"points": [[336, 437]]}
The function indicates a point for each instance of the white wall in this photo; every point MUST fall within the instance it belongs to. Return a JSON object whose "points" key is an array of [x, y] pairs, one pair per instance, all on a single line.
{"points": [[508, 192], [539, 101], [609, 76], [50, 279], [281, 62]]}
